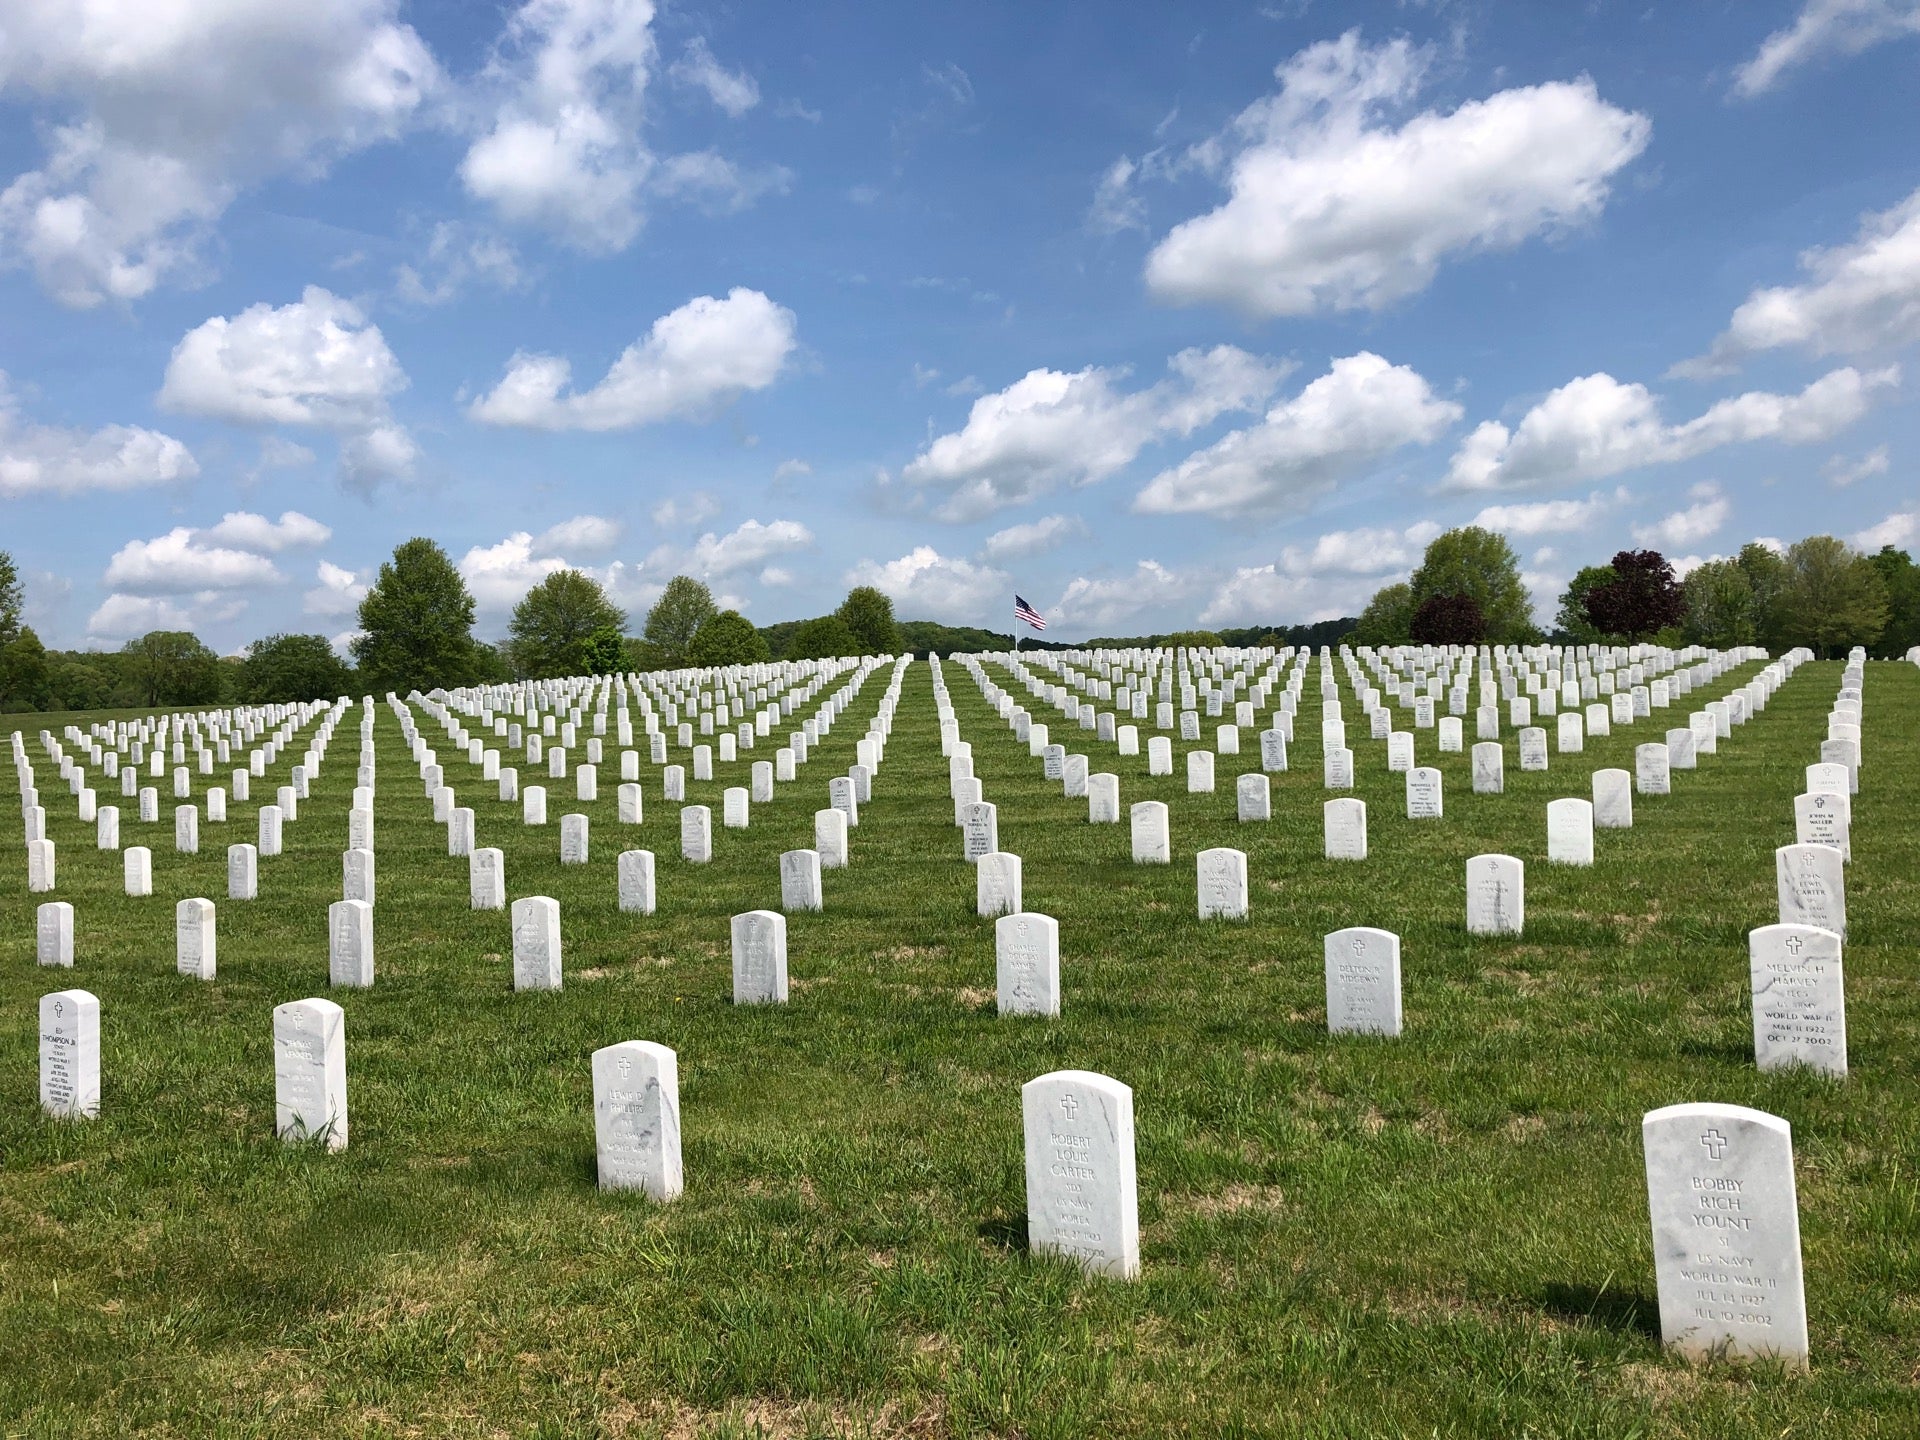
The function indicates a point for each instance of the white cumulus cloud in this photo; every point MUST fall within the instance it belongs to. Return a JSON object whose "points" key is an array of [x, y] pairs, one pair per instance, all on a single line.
{"points": [[318, 362], [1826, 27], [246, 531], [692, 361], [1355, 415], [694, 508], [924, 584], [1549, 517], [1861, 297], [1334, 207], [562, 148], [169, 110], [1898, 530], [52, 460], [1596, 426], [1035, 537], [1842, 472], [1100, 602], [748, 546], [182, 562], [734, 91], [1366, 551], [500, 575], [587, 534], [1690, 526], [339, 591], [1053, 428]]}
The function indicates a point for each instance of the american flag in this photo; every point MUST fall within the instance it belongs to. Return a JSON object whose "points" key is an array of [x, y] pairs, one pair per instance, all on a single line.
{"points": [[1023, 611]]}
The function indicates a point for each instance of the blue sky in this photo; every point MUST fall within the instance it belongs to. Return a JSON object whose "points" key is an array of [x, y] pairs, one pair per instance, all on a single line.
{"points": [[1160, 315]]}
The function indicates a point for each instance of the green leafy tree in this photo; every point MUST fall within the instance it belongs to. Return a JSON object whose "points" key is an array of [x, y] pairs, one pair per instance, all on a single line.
{"points": [[604, 652], [1902, 579], [1720, 609], [76, 683], [683, 607], [1480, 564], [1766, 572], [1193, 639], [727, 638], [553, 621], [172, 667], [1387, 619], [1833, 598], [644, 655], [868, 614], [12, 599], [492, 665], [25, 674], [293, 667], [23, 659], [416, 624], [823, 638], [1571, 618]]}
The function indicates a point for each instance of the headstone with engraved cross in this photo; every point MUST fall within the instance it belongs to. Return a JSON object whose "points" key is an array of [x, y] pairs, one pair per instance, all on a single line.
{"points": [[1726, 1233], [636, 1118], [1027, 964], [1496, 895], [1363, 981], [1082, 1199], [310, 1072], [1799, 998], [70, 1054]]}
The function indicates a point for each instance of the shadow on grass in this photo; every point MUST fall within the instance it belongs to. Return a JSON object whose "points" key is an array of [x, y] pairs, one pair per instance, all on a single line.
{"points": [[1623, 1310], [1006, 1233], [1714, 1050]]}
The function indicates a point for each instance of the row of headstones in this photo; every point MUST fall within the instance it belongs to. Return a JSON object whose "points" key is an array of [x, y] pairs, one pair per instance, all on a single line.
{"points": [[805, 683], [1653, 762], [148, 797], [1635, 703], [42, 855], [765, 774]]}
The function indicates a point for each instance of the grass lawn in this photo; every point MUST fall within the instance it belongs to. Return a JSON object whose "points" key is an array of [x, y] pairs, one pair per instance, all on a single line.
{"points": [[1440, 1235]]}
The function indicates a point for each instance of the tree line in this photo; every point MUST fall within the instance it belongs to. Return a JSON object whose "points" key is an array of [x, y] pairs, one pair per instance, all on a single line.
{"points": [[416, 625], [416, 632], [1818, 592]]}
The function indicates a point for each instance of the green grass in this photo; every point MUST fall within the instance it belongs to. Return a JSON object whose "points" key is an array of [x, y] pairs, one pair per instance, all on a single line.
{"points": [[1441, 1235]]}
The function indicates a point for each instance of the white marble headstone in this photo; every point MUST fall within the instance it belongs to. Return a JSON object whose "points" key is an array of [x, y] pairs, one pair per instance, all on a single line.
{"points": [[1027, 964], [1220, 876], [636, 1118], [70, 1054], [800, 881], [1082, 1201], [1344, 823], [760, 958], [1152, 844], [635, 877], [1612, 800], [1496, 895], [1570, 832], [1363, 981], [1812, 886], [487, 879], [1726, 1232], [536, 943], [350, 944], [310, 1072], [243, 872], [997, 885], [1799, 998]]}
